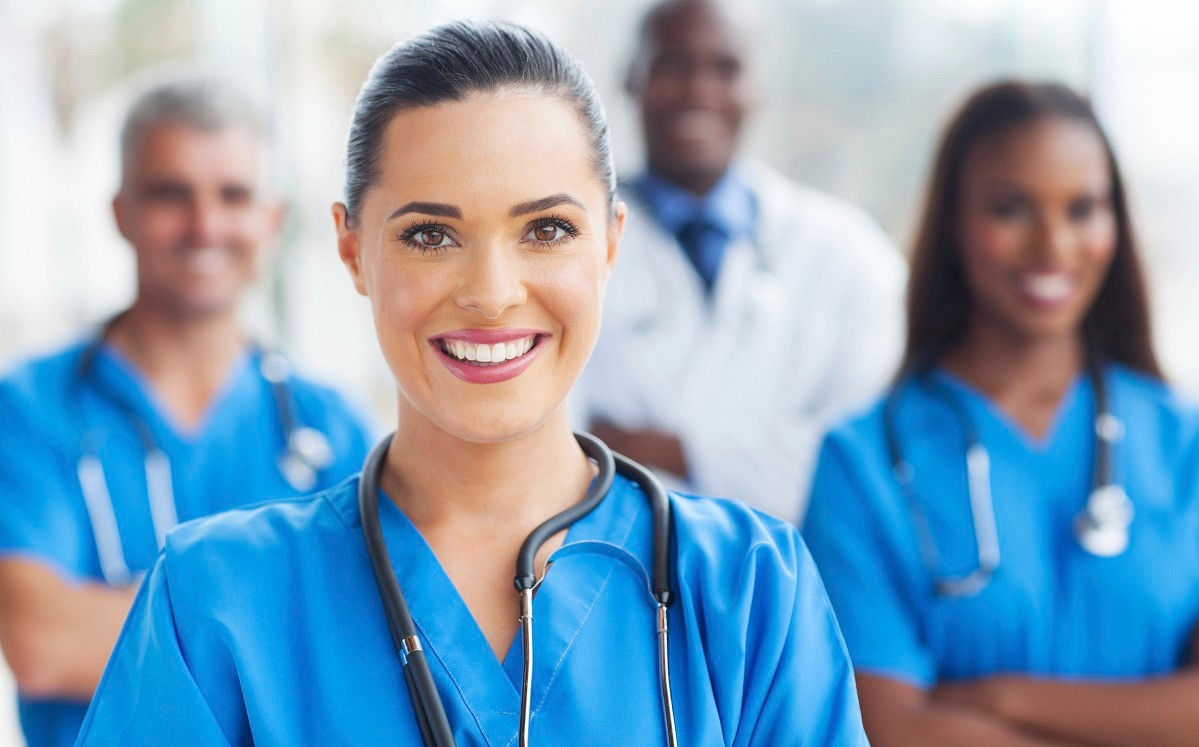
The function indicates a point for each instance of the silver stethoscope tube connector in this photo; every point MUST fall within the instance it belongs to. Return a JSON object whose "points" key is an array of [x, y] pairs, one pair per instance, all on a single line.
{"points": [[672, 738], [526, 674]]}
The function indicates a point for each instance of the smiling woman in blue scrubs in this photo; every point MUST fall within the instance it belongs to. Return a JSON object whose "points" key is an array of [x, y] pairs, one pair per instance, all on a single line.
{"points": [[999, 599], [165, 414], [481, 223]]}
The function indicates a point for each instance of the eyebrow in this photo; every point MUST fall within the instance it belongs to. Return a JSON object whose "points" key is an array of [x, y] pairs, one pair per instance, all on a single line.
{"points": [[440, 209], [545, 203]]}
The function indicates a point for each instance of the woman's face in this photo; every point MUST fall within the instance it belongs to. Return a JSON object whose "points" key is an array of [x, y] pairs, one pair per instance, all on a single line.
{"points": [[484, 247], [1036, 227]]}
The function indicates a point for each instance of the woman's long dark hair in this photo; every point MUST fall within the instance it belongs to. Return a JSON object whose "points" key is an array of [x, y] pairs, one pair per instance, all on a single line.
{"points": [[1115, 328]]}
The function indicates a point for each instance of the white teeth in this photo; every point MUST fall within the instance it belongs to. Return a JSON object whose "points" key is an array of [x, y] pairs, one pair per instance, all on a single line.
{"points": [[496, 353], [1055, 286]]}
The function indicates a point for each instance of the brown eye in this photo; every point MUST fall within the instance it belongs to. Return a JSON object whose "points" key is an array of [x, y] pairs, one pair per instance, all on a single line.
{"points": [[550, 231], [546, 232], [428, 237], [431, 237]]}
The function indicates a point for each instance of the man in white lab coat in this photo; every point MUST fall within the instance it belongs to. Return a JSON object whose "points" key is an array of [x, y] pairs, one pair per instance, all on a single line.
{"points": [[747, 313]]}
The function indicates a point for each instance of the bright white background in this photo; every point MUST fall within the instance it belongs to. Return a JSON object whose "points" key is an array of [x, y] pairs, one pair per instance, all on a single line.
{"points": [[853, 93]]}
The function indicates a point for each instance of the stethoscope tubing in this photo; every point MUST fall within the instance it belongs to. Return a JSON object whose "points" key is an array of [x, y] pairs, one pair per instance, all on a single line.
{"points": [[426, 703], [982, 511], [160, 492], [427, 706]]}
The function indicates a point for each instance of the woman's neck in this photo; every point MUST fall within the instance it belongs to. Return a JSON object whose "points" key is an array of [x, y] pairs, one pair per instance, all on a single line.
{"points": [[186, 360], [1025, 377], [474, 504], [438, 478]]}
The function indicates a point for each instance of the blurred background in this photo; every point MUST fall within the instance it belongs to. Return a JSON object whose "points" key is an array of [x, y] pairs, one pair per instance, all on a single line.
{"points": [[853, 95]]}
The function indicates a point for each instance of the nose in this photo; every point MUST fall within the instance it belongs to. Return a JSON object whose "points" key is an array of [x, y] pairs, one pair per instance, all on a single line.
{"points": [[492, 282], [206, 222], [1056, 238], [703, 87]]}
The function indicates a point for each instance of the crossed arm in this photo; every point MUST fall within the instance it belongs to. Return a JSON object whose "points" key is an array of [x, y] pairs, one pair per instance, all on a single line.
{"points": [[1020, 711], [57, 635]]}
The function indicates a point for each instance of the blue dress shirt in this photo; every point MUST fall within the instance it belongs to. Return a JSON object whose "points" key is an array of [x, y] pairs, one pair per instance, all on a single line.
{"points": [[705, 225]]}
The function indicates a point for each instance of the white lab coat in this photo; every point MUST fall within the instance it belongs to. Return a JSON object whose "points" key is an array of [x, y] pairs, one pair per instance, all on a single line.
{"points": [[752, 378]]}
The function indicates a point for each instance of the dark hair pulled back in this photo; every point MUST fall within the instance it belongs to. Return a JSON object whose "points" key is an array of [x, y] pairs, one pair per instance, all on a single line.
{"points": [[453, 61]]}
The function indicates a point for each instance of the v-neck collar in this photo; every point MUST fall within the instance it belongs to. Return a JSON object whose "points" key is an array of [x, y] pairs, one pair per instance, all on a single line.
{"points": [[127, 381], [985, 411], [489, 689]]}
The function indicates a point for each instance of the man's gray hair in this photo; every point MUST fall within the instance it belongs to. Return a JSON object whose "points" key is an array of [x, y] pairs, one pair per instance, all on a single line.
{"points": [[201, 102]]}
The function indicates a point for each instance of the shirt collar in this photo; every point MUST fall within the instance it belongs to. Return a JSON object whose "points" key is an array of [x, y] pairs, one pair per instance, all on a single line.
{"points": [[729, 206]]}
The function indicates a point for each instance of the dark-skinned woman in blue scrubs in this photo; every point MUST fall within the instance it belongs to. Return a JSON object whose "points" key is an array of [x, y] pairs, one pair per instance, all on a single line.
{"points": [[1010, 537], [480, 221]]}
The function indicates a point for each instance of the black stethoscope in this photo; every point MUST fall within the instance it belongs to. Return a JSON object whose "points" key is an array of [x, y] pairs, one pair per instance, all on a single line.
{"points": [[1101, 527], [307, 452], [426, 702]]}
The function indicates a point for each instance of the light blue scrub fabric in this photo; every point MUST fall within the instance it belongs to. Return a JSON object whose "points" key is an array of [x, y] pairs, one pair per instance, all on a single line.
{"points": [[265, 626], [1051, 608], [46, 413]]}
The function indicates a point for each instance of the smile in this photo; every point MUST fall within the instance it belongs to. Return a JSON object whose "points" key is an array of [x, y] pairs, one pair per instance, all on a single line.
{"points": [[489, 356], [483, 354], [1047, 289], [206, 261]]}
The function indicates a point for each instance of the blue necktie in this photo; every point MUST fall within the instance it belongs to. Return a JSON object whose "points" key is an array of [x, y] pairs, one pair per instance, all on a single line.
{"points": [[704, 243]]}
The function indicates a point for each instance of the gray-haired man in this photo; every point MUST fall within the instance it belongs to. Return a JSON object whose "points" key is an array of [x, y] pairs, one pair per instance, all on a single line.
{"points": [[166, 414]]}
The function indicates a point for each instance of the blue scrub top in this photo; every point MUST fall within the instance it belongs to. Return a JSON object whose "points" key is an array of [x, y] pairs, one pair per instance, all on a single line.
{"points": [[1051, 609], [265, 625], [47, 409]]}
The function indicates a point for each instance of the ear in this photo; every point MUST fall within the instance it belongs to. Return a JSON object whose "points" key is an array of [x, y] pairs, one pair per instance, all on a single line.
{"points": [[120, 213], [278, 214], [620, 212], [274, 213], [347, 246], [634, 76]]}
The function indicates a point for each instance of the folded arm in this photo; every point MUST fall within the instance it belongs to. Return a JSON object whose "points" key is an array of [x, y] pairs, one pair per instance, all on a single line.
{"points": [[57, 635], [1160, 711], [899, 714]]}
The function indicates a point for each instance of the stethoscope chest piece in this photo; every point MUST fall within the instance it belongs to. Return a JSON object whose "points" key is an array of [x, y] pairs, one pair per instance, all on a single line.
{"points": [[1102, 528], [308, 452]]}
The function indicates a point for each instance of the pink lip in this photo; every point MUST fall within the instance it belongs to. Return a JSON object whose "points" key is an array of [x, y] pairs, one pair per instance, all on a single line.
{"points": [[498, 372]]}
